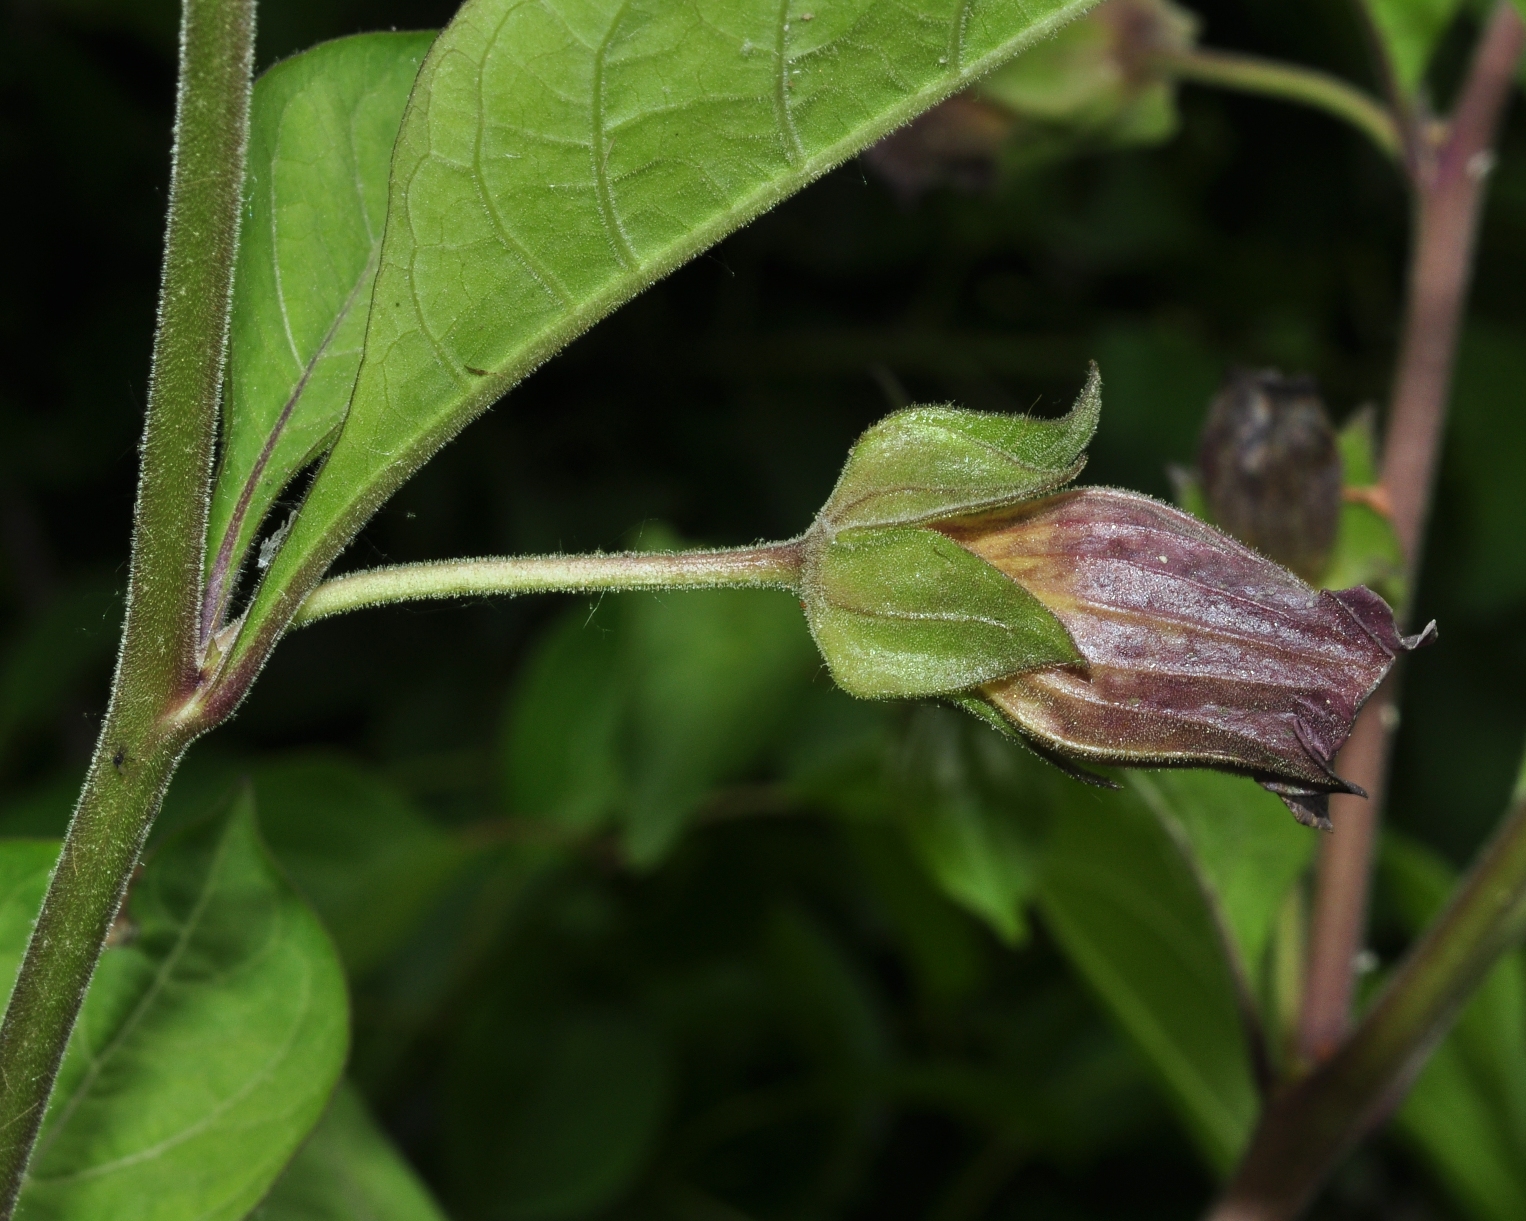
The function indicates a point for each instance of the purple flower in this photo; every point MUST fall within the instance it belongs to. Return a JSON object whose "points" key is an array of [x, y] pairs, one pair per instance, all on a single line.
{"points": [[1199, 652]]}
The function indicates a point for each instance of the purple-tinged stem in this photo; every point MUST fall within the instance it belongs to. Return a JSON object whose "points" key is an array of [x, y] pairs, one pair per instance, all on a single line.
{"points": [[1448, 182]]}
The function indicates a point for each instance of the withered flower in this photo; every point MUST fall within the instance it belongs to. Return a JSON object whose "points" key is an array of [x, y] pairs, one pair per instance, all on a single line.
{"points": [[1198, 652]]}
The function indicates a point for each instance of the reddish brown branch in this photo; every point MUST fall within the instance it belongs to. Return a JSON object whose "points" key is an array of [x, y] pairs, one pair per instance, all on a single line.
{"points": [[1448, 180]]}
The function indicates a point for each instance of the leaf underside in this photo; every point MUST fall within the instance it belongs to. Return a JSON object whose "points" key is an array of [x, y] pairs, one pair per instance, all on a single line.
{"points": [[207, 1047], [322, 127], [557, 157]]}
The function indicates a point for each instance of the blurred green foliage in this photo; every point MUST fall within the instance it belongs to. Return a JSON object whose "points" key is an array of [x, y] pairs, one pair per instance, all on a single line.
{"points": [[642, 918]]}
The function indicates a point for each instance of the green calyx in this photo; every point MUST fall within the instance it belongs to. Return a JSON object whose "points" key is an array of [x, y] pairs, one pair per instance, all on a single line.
{"points": [[903, 611], [900, 610], [925, 464]]}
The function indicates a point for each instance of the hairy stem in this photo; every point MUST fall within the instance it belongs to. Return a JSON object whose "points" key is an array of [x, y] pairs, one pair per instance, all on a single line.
{"points": [[1291, 83], [772, 566], [1308, 1130], [1449, 189], [145, 730]]}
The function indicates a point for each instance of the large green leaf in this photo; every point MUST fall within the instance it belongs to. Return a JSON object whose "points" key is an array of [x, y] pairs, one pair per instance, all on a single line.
{"points": [[1408, 31], [348, 1171], [1123, 901], [207, 1047], [558, 156], [322, 127], [1467, 1110]]}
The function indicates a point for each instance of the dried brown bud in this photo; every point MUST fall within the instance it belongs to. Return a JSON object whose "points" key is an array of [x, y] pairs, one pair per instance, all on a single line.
{"points": [[1199, 652], [1271, 471]]}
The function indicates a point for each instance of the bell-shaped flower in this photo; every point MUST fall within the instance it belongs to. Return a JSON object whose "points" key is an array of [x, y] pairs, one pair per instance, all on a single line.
{"points": [[1195, 651]]}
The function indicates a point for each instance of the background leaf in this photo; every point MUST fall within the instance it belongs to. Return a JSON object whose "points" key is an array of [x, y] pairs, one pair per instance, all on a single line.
{"points": [[322, 127], [956, 784], [631, 716], [356, 848], [1366, 549], [1409, 31], [1466, 1111], [558, 158], [348, 1171], [580, 1101], [206, 1049], [1249, 852], [25, 866], [1123, 902]]}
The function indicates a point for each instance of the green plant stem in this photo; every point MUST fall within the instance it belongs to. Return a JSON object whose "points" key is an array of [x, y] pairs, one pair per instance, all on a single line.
{"points": [[772, 566], [1448, 183], [1305, 1133], [1271, 78], [152, 716]]}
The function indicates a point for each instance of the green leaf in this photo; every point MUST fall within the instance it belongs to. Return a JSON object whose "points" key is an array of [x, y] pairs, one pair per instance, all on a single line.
{"points": [[207, 1047], [940, 945], [562, 741], [1409, 31], [1366, 551], [1466, 1112], [558, 157], [631, 717], [1247, 850], [348, 1171], [1124, 904], [358, 850], [930, 462], [828, 1004], [904, 611], [25, 867], [957, 784], [368, 862], [577, 1104], [322, 127]]}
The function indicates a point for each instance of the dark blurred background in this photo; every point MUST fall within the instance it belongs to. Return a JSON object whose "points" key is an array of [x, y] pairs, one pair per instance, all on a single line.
{"points": [[720, 405]]}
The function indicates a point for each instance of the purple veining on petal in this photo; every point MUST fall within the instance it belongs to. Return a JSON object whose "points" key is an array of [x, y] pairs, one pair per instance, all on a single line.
{"points": [[1202, 653]]}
